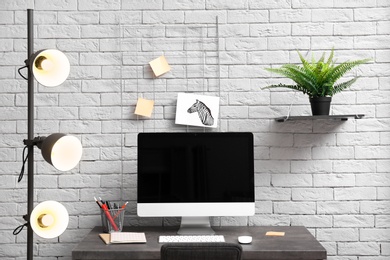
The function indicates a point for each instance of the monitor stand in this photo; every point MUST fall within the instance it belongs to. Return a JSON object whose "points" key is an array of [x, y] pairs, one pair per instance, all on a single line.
{"points": [[195, 226]]}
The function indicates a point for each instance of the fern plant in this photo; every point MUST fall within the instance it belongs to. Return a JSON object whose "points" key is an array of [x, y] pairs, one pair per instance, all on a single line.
{"points": [[317, 78]]}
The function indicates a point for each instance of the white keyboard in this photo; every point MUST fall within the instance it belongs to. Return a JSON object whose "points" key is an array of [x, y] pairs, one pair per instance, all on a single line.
{"points": [[191, 239]]}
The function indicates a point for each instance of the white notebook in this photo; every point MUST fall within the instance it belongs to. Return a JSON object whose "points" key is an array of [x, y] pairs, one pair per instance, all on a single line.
{"points": [[127, 237]]}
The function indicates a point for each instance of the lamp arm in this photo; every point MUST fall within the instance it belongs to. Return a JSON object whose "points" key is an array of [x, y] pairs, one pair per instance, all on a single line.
{"points": [[29, 144], [36, 141]]}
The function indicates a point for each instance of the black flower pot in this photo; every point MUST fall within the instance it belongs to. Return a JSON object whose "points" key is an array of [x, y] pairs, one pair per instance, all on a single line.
{"points": [[320, 105]]}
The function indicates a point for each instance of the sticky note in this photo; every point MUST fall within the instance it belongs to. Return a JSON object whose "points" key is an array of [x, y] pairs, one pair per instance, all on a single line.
{"points": [[159, 66], [144, 107], [273, 233]]}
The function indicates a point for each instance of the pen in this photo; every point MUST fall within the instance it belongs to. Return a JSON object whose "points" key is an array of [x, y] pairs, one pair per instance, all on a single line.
{"points": [[108, 215], [121, 209], [97, 202]]}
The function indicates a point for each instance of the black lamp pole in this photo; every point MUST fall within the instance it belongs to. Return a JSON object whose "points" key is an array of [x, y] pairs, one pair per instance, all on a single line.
{"points": [[43, 143], [30, 134]]}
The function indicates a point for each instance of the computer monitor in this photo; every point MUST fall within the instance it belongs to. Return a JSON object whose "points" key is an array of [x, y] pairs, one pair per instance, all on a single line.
{"points": [[195, 176]]}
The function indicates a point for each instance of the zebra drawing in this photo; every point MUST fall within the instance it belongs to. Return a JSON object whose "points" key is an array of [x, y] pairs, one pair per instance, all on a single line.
{"points": [[204, 112]]}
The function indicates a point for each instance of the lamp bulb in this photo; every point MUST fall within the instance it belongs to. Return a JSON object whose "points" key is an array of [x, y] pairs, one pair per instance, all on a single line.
{"points": [[46, 64], [45, 220], [42, 63]]}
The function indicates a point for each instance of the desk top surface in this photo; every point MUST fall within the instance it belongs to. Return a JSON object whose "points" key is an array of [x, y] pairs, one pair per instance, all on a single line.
{"points": [[297, 243]]}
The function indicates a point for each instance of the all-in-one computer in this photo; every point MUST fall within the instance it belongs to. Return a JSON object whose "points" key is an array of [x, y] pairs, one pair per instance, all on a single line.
{"points": [[195, 176]]}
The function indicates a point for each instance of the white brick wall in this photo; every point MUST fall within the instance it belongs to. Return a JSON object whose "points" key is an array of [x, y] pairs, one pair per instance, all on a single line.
{"points": [[330, 176]]}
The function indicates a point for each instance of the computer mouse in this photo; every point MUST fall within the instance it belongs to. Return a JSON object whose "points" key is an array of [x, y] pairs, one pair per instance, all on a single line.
{"points": [[244, 239]]}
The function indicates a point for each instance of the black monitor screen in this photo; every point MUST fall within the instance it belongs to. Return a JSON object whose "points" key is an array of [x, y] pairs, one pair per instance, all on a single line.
{"points": [[195, 167]]}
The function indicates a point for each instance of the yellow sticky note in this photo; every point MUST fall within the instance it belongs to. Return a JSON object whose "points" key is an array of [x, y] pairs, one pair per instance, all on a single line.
{"points": [[159, 66], [144, 107], [273, 233]]}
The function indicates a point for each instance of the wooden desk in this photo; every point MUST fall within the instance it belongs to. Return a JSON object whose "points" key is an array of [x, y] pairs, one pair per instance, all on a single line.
{"points": [[298, 243]]}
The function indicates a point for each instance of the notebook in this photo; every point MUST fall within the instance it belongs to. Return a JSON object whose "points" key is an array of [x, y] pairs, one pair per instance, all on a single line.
{"points": [[273, 233], [123, 237], [105, 237]]}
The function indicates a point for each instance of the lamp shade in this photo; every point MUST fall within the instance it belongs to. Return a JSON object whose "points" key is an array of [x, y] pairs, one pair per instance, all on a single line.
{"points": [[50, 67], [62, 151], [49, 219]]}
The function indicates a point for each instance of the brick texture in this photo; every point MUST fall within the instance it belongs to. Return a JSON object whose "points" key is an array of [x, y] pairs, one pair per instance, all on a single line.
{"points": [[330, 176]]}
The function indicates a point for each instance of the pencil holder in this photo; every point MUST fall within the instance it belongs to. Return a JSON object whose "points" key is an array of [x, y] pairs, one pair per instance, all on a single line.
{"points": [[112, 220]]}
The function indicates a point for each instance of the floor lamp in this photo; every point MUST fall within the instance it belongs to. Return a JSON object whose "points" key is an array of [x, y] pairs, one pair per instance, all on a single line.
{"points": [[50, 68]]}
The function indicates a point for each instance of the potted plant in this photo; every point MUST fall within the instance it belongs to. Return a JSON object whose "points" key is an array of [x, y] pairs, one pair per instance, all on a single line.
{"points": [[317, 79]]}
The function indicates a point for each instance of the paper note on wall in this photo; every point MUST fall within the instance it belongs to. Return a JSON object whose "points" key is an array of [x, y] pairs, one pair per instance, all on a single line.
{"points": [[144, 107], [159, 66]]}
